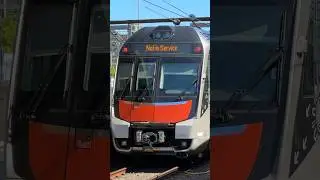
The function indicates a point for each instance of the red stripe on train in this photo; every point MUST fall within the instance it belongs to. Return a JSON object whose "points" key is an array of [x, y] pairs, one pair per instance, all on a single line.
{"points": [[53, 156], [234, 156], [145, 112]]}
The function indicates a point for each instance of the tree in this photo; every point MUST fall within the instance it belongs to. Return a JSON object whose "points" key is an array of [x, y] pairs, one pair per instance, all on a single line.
{"points": [[8, 27], [112, 71]]}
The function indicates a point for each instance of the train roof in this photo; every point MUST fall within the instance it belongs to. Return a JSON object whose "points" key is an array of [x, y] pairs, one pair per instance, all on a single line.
{"points": [[178, 34]]}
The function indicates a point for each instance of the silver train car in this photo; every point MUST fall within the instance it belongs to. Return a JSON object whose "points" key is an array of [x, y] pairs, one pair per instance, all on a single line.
{"points": [[161, 95]]}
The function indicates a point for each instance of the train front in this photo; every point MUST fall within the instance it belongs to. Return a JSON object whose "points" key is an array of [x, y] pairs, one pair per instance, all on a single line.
{"points": [[159, 105]]}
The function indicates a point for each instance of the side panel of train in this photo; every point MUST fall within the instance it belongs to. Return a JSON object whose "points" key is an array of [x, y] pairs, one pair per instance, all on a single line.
{"points": [[246, 146], [276, 143], [54, 154], [45, 146], [236, 153]]}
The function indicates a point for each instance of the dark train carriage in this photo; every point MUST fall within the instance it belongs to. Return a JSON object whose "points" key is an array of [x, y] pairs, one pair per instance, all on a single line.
{"points": [[58, 100]]}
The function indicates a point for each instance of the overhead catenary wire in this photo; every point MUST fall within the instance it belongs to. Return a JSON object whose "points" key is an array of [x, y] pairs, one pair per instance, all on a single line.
{"points": [[176, 7], [175, 21], [188, 15], [162, 8], [171, 12], [156, 12]]}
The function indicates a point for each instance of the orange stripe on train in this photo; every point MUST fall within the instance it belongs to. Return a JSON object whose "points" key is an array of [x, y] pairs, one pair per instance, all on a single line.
{"points": [[54, 157], [155, 112], [233, 156]]}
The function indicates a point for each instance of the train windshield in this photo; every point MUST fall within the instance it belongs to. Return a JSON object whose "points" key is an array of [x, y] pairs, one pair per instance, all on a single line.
{"points": [[157, 77], [96, 76], [97, 52], [39, 58], [124, 77], [178, 78], [245, 37], [42, 63]]}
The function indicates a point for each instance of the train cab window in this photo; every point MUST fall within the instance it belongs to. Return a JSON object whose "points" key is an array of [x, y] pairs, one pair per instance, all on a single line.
{"points": [[177, 78], [53, 25], [40, 70], [245, 37], [308, 76], [316, 44], [124, 80], [36, 71], [309, 64], [145, 76], [38, 57], [100, 33], [96, 75]]}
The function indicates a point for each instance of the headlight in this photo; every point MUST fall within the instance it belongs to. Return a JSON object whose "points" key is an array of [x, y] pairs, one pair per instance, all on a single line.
{"points": [[139, 136], [161, 136]]}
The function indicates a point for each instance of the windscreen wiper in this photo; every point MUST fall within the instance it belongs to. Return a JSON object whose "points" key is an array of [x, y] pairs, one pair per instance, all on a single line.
{"points": [[181, 96], [238, 94], [142, 95], [43, 89]]}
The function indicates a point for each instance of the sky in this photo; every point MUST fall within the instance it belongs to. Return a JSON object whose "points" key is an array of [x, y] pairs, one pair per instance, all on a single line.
{"points": [[128, 9]]}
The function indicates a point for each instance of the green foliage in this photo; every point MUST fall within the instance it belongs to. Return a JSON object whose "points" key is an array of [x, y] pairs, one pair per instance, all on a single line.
{"points": [[112, 71], [8, 27]]}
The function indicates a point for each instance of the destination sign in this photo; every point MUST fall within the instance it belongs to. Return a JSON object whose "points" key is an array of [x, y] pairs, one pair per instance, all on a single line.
{"points": [[161, 48]]}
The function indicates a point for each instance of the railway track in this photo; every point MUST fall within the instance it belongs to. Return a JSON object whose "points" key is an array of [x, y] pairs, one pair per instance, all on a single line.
{"points": [[117, 173], [149, 167], [200, 171], [143, 174]]}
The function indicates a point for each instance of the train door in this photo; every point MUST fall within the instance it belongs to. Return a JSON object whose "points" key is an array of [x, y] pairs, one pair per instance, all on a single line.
{"points": [[50, 138]]}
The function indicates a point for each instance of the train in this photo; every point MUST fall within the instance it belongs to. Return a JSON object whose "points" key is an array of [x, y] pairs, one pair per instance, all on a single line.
{"points": [[160, 102], [264, 90], [57, 117]]}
